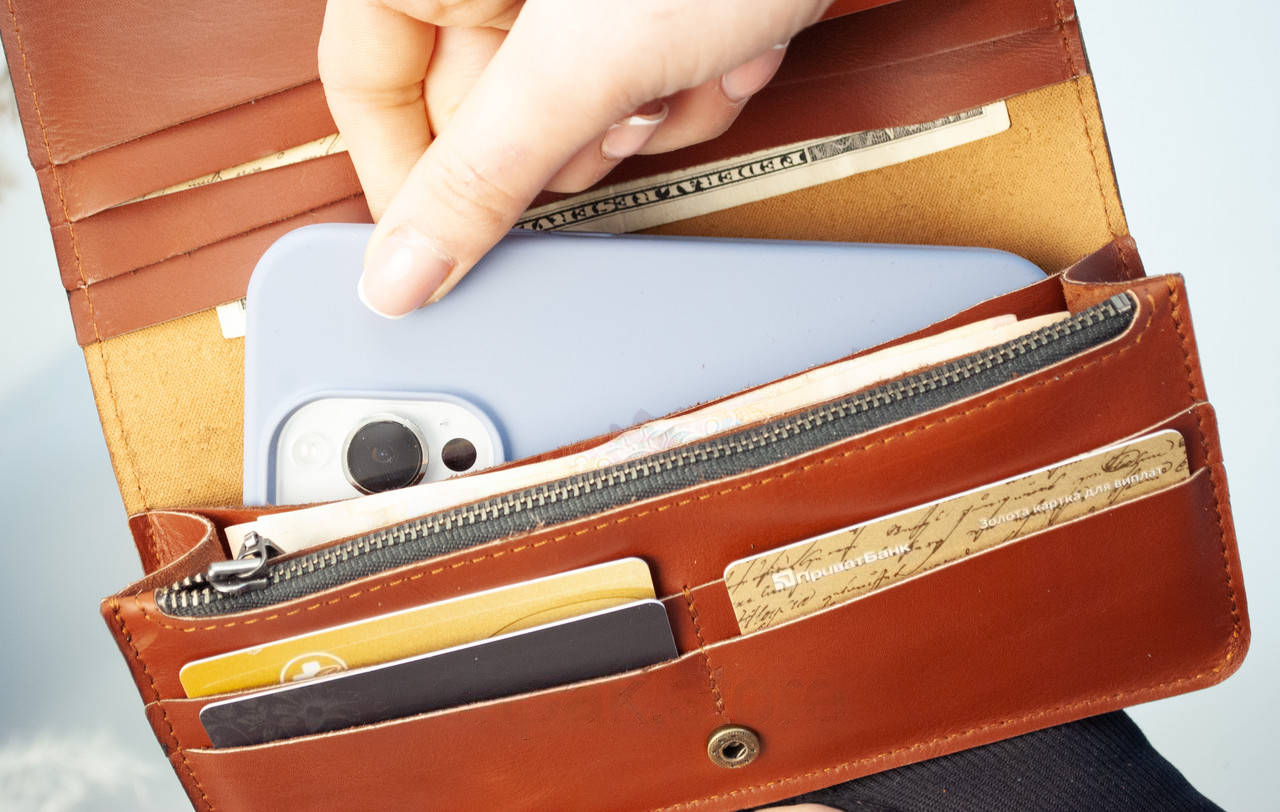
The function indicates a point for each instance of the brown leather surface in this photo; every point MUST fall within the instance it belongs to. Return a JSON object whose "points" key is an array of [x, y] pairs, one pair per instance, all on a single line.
{"points": [[913, 672], [190, 282], [715, 619], [191, 149], [110, 71], [841, 7], [93, 150], [189, 145], [143, 234], [961, 447], [1139, 601], [1131, 604]]}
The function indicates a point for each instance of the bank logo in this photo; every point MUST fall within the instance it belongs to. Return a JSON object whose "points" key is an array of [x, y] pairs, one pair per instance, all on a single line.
{"points": [[788, 578], [309, 666], [784, 579]]}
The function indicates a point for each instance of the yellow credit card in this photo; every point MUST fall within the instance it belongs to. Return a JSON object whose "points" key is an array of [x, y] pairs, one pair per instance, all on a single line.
{"points": [[811, 575], [422, 629]]}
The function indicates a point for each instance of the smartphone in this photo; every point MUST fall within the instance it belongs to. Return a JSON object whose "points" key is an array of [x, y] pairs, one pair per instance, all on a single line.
{"points": [[554, 338]]}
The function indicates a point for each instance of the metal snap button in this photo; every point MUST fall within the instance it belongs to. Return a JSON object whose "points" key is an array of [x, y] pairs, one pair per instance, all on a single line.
{"points": [[733, 746]]}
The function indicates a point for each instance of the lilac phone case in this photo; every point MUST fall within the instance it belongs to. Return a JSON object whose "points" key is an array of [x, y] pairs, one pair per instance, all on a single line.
{"points": [[560, 336]]}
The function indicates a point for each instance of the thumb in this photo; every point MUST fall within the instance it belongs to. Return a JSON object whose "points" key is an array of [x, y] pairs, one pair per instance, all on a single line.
{"points": [[506, 140]]}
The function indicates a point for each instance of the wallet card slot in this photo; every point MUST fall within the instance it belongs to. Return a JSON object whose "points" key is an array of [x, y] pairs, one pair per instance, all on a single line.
{"points": [[183, 713], [132, 237], [719, 627], [190, 282], [175, 155], [1197, 489], [1094, 615], [672, 697], [716, 618]]}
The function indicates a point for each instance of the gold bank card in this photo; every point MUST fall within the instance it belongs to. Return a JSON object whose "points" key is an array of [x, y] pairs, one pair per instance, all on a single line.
{"points": [[422, 629], [816, 573]]}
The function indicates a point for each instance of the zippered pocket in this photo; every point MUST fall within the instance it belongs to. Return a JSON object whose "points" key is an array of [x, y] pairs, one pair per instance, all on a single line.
{"points": [[256, 580], [1091, 399]]}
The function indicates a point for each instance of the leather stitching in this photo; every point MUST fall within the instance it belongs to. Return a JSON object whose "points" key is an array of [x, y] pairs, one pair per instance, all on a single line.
{"points": [[137, 657], [1014, 721], [75, 249], [246, 102], [706, 658], [1088, 133], [1121, 696], [1055, 380], [188, 251], [774, 86], [843, 768], [1218, 500], [149, 531]]}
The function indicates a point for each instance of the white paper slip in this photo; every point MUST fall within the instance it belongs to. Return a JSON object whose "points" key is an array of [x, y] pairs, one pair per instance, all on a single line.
{"points": [[231, 318], [310, 151]]}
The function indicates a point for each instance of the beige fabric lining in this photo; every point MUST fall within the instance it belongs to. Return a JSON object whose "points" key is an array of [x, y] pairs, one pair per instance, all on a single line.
{"points": [[180, 401], [1043, 189], [1034, 190]]}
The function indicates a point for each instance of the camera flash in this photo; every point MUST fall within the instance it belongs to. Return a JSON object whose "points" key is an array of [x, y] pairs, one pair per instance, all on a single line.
{"points": [[311, 450]]}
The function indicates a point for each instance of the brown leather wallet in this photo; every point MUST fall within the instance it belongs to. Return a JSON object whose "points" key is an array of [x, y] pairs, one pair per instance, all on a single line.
{"points": [[1138, 601]]}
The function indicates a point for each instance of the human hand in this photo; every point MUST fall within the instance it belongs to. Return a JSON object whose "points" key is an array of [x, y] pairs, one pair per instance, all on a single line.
{"points": [[455, 123]]}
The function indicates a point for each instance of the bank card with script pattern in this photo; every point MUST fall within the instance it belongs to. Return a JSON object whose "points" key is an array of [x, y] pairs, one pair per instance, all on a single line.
{"points": [[816, 573]]}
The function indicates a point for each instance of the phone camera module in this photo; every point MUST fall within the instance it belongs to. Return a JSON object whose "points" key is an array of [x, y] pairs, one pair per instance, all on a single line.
{"points": [[459, 454], [385, 454]]}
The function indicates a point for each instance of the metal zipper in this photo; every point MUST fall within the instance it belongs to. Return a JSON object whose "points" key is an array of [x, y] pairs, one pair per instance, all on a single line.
{"points": [[255, 580]]}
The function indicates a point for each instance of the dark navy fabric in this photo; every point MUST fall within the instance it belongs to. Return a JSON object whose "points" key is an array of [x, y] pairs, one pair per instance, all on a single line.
{"points": [[1103, 763]]}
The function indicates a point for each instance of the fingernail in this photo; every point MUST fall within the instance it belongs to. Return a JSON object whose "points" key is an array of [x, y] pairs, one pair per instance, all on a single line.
{"points": [[628, 136], [401, 272], [744, 81]]}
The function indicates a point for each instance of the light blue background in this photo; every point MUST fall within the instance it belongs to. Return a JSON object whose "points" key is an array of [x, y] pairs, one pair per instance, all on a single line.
{"points": [[1189, 95]]}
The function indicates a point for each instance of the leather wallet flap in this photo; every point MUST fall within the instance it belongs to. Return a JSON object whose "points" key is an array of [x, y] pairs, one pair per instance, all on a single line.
{"points": [[120, 103]]}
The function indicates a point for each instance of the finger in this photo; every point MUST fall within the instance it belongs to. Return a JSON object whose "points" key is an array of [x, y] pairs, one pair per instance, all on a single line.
{"points": [[458, 61], [693, 116], [460, 13], [509, 136], [623, 139], [742, 82], [372, 64], [704, 112], [532, 111]]}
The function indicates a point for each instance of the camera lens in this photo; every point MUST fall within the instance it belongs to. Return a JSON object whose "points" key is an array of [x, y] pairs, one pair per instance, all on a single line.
{"points": [[383, 455], [458, 454]]}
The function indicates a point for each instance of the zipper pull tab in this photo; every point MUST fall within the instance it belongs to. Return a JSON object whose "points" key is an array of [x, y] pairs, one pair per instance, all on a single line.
{"points": [[247, 571]]}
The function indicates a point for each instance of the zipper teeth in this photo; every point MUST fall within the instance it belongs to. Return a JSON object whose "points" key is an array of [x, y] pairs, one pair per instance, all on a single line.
{"points": [[194, 591]]}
